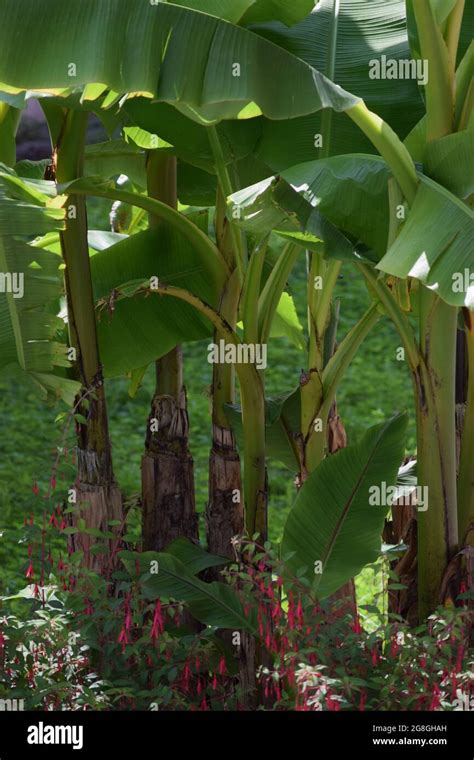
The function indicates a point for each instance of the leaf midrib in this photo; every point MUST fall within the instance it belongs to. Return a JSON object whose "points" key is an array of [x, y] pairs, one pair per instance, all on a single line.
{"points": [[349, 502]]}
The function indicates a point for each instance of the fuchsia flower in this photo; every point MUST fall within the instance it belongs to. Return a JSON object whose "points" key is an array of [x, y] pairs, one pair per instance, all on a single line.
{"points": [[291, 611], [356, 626], [35, 488], [158, 622], [186, 676], [123, 638], [436, 699], [30, 571], [128, 622]]}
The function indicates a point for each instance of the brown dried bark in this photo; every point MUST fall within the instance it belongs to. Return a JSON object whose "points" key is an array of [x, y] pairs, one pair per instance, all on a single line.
{"points": [[224, 514], [168, 476]]}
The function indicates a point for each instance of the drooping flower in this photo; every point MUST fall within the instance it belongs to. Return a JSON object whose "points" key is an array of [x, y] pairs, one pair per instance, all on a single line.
{"points": [[356, 626], [436, 698], [222, 666], [158, 622], [123, 638]]}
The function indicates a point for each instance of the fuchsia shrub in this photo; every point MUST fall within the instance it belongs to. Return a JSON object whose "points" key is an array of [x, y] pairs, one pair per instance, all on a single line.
{"points": [[73, 640]]}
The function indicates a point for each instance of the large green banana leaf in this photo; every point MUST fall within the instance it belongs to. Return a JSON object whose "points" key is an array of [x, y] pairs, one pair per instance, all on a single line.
{"points": [[357, 41], [332, 521], [435, 245], [190, 141], [192, 555], [447, 160], [30, 286], [249, 11], [230, 10], [215, 604], [342, 200], [115, 157], [140, 330], [186, 58], [361, 31]]}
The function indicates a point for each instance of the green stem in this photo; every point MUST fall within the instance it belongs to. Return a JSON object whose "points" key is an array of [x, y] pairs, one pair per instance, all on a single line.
{"points": [[400, 320], [9, 119], [225, 183], [223, 376], [75, 248], [161, 171], [439, 89], [273, 289], [466, 468], [249, 305], [161, 174], [331, 376], [347, 349], [94, 450], [319, 304], [453, 30], [389, 146]]}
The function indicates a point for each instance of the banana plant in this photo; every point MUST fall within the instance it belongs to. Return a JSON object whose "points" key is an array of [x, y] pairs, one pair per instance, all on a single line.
{"points": [[200, 96], [246, 90], [426, 253]]}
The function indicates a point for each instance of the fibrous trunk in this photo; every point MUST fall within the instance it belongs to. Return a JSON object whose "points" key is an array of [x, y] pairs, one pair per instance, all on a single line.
{"points": [[97, 498], [167, 467], [225, 510], [168, 500]]}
